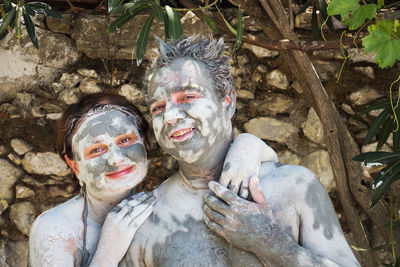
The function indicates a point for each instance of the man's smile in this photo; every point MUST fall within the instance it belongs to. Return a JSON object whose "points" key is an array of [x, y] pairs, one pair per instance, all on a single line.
{"points": [[182, 134], [123, 171]]}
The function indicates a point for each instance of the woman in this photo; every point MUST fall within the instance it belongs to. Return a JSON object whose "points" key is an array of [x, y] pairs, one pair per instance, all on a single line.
{"points": [[102, 140]]}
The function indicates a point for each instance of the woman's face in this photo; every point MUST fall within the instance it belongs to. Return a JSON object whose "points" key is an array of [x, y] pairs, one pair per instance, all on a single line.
{"points": [[109, 154]]}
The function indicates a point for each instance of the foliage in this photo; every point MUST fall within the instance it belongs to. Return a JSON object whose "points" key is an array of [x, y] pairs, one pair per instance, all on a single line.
{"points": [[14, 12], [167, 15]]}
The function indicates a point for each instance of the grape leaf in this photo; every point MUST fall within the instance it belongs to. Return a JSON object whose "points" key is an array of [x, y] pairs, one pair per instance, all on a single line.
{"points": [[361, 14], [383, 42], [342, 7]]}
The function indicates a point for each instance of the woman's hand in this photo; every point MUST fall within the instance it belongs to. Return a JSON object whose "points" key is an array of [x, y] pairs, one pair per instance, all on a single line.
{"points": [[119, 228]]}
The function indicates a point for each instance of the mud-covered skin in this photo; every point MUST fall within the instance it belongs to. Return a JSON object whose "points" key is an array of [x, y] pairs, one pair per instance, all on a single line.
{"points": [[296, 224]]}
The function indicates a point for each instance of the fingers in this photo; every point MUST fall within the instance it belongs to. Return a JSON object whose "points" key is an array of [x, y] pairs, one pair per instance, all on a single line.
{"points": [[225, 178], [139, 198], [244, 189], [141, 214], [216, 228], [255, 190], [216, 204], [213, 215], [223, 193], [234, 186], [140, 208]]}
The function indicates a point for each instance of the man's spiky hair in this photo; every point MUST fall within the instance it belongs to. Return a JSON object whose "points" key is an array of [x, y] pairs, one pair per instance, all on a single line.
{"points": [[208, 51]]}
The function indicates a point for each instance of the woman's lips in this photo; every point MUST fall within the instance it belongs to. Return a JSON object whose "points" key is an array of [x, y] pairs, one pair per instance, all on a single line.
{"points": [[121, 173]]}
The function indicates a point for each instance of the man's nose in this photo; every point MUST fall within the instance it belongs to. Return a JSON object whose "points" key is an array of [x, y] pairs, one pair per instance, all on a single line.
{"points": [[115, 157], [173, 113]]}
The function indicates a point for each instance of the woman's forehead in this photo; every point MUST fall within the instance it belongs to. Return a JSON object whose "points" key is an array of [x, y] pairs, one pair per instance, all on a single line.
{"points": [[110, 122]]}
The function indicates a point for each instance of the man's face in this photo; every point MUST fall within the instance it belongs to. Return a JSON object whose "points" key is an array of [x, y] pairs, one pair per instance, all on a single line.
{"points": [[110, 154], [189, 117]]}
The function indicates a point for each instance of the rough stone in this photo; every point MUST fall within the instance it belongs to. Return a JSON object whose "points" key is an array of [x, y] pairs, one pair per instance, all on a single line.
{"points": [[13, 253], [56, 87], [274, 103], [367, 71], [22, 214], [89, 33], [256, 77], [3, 205], [70, 96], [88, 73], [51, 108], [3, 150], [116, 79], [45, 163], [372, 148], [69, 80], [248, 23], [303, 21], [24, 66], [364, 96], [53, 116], [60, 25], [55, 191], [319, 163], [9, 174], [31, 181], [262, 69], [288, 157], [375, 113], [242, 60], [37, 112], [326, 69], [270, 129], [20, 146], [346, 108], [313, 128], [23, 100], [260, 52], [14, 158], [89, 86], [277, 79], [23, 192], [246, 94], [10, 110], [361, 56], [130, 92]]}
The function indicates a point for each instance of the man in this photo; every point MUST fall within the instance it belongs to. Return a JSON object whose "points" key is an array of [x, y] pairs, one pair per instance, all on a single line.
{"points": [[192, 100]]}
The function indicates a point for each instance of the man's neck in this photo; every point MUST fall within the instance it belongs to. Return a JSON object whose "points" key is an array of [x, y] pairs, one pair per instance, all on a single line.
{"points": [[197, 175]]}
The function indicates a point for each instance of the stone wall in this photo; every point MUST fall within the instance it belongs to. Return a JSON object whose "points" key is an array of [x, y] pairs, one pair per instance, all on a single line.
{"points": [[36, 85]]}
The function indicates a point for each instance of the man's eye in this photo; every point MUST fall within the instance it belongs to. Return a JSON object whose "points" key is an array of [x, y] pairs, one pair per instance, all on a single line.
{"points": [[158, 109], [189, 98]]}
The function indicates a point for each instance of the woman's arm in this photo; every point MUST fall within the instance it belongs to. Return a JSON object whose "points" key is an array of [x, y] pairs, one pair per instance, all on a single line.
{"points": [[243, 161]]}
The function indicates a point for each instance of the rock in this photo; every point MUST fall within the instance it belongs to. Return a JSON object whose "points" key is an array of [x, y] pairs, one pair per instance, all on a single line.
{"points": [[372, 148], [274, 103], [246, 94], [367, 71], [37, 112], [130, 92], [20, 146], [70, 96], [364, 96], [24, 66], [288, 157], [14, 158], [53, 116], [41, 122], [260, 52], [23, 101], [303, 21], [355, 125], [88, 73], [23, 192], [45, 163], [256, 77], [277, 79], [51, 108], [326, 69], [262, 69], [3, 150], [31, 181], [3, 205], [89, 33], [297, 87], [55, 191], [319, 163], [375, 113], [9, 110], [60, 25], [13, 253], [89, 86], [238, 82], [270, 129], [22, 214], [116, 79], [242, 60], [346, 108], [313, 128], [361, 56], [248, 24], [69, 80], [9, 174], [57, 87]]}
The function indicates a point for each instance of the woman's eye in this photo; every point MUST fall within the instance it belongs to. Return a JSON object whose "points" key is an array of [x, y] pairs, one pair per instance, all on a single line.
{"points": [[97, 150], [158, 109], [124, 140]]}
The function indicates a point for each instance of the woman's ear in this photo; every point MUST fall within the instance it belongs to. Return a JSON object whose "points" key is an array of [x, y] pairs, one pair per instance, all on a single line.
{"points": [[72, 164]]}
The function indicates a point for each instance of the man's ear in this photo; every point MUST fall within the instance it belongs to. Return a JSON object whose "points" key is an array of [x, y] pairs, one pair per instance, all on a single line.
{"points": [[230, 103], [72, 164]]}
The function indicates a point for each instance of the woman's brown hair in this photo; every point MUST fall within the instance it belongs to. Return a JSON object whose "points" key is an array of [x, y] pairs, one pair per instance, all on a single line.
{"points": [[75, 113]]}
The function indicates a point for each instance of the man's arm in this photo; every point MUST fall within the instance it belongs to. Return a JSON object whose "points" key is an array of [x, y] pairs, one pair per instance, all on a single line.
{"points": [[252, 227], [243, 161]]}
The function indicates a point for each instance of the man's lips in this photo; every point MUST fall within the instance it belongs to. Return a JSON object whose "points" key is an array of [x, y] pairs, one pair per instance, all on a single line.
{"points": [[121, 173], [181, 134]]}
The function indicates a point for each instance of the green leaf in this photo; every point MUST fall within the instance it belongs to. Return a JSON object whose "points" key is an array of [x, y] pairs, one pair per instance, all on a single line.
{"points": [[143, 38], [324, 14], [157, 10], [174, 24], [360, 15], [210, 22], [119, 22], [342, 7], [396, 140], [43, 8], [30, 27], [112, 4], [391, 175], [378, 157], [376, 125], [231, 29], [239, 35], [166, 29], [29, 10], [381, 3], [385, 132], [379, 105], [8, 19]]}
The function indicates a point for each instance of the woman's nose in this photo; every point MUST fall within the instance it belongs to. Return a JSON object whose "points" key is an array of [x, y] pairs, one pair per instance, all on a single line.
{"points": [[115, 157]]}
